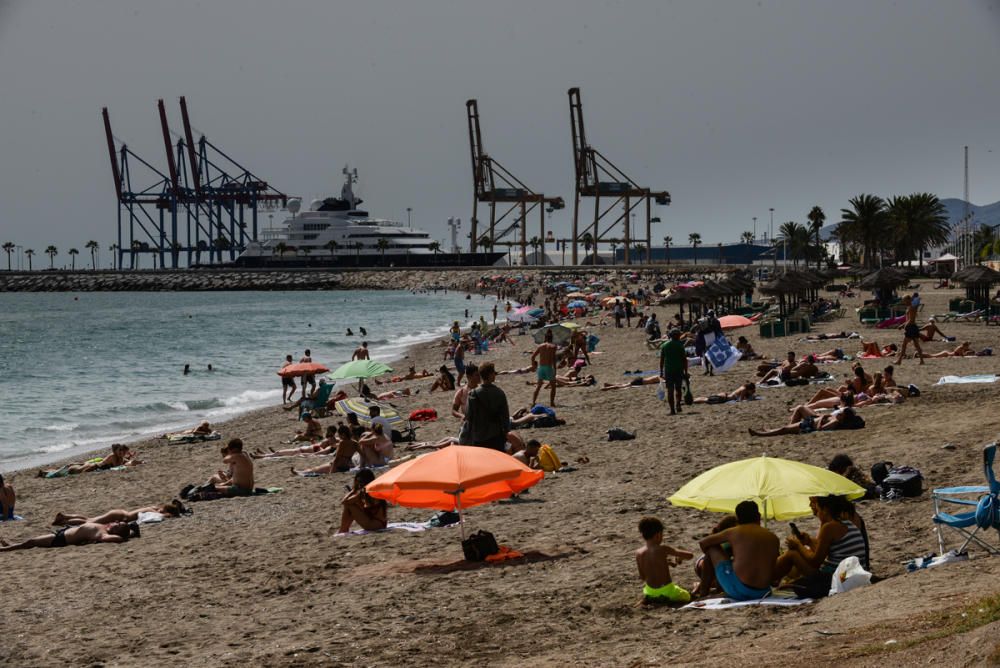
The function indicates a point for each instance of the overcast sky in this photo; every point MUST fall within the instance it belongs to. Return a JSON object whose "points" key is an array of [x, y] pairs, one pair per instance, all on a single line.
{"points": [[734, 107]]}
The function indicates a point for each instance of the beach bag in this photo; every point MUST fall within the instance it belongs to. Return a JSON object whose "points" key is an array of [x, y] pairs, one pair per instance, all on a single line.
{"points": [[548, 459], [880, 471], [423, 415], [479, 545], [661, 390], [619, 434], [849, 575], [688, 396], [905, 480], [444, 518]]}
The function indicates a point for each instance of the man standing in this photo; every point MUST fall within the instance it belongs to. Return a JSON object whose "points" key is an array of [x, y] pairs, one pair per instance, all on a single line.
{"points": [[361, 353], [911, 332], [287, 382], [460, 404], [746, 570], [309, 379], [673, 369], [488, 415], [545, 357]]}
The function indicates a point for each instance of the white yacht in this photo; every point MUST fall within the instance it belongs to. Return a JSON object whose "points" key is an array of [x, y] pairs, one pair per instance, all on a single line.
{"points": [[335, 232]]}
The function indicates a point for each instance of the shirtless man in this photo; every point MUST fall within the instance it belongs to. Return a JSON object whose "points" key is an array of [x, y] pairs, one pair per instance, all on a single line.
{"points": [[310, 379], [173, 509], [287, 383], [838, 419], [85, 534], [312, 432], [805, 369], [237, 480], [744, 572], [460, 403], [911, 332], [343, 458], [579, 345], [361, 353], [120, 455], [545, 356], [928, 331], [376, 448], [767, 367], [324, 447], [529, 456]]}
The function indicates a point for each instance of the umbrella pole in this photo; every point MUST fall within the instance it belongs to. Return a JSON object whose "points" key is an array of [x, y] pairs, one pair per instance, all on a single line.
{"points": [[461, 521]]}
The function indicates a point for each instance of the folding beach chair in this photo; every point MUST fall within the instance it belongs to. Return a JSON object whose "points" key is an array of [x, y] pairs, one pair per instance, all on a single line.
{"points": [[317, 406], [983, 507]]}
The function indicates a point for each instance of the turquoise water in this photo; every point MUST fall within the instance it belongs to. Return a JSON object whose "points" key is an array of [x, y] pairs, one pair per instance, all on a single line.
{"points": [[79, 371]]}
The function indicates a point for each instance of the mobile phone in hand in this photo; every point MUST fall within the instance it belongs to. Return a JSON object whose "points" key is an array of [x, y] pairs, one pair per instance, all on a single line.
{"points": [[795, 530]]}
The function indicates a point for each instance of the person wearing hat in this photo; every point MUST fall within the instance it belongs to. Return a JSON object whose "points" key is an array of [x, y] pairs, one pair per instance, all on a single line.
{"points": [[673, 369], [930, 330]]}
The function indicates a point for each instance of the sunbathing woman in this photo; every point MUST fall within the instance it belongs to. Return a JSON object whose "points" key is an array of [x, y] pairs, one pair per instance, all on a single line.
{"points": [[445, 381], [204, 429], [525, 369], [744, 392], [324, 447], [343, 458], [120, 455], [839, 419], [370, 513], [173, 509], [964, 349], [395, 394], [871, 349], [832, 355], [635, 382]]}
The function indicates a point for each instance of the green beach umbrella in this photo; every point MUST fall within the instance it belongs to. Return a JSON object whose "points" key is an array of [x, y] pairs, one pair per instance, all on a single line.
{"points": [[361, 369]]}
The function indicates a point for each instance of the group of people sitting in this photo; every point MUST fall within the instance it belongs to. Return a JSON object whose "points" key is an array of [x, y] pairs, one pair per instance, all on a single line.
{"points": [[743, 560]]}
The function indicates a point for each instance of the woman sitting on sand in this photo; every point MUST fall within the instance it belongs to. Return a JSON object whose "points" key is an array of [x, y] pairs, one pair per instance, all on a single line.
{"points": [[172, 509], [7, 500], [343, 458], [120, 455], [370, 513], [324, 447], [445, 381], [744, 392], [746, 350], [313, 430], [814, 558]]}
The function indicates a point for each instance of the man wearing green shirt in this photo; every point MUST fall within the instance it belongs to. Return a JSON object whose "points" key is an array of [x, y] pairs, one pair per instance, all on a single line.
{"points": [[673, 369]]}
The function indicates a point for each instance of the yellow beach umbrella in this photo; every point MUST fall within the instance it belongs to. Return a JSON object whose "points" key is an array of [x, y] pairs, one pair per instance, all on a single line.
{"points": [[780, 487]]}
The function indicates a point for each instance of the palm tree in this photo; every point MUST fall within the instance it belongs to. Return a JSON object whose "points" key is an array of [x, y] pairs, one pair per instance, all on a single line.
{"points": [[93, 247], [72, 256], [332, 246], [667, 240], [864, 224], [695, 240], [282, 248], [435, 247], [816, 219], [382, 244], [136, 247], [51, 251], [29, 254], [796, 240], [588, 242], [485, 242], [640, 250], [114, 256], [746, 238], [8, 248], [982, 242]]}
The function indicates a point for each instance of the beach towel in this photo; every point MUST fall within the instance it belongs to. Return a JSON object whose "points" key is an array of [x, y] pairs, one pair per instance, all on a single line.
{"points": [[412, 527], [150, 518], [891, 322], [722, 355], [812, 381], [778, 598], [193, 438], [961, 380]]}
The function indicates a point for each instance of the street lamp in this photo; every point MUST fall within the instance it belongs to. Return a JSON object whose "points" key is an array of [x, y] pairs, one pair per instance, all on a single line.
{"points": [[771, 228], [754, 230], [408, 224]]}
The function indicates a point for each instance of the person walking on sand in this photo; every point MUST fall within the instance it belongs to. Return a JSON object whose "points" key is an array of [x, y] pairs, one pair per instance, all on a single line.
{"points": [[361, 352], [545, 356], [309, 379], [673, 369], [287, 383], [911, 331]]}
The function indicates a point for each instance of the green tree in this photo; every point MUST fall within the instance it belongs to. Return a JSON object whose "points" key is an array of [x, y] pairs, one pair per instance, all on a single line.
{"points": [[282, 248], [115, 260], [865, 224], [8, 248], [93, 247], [816, 219], [332, 246], [982, 242], [667, 240], [640, 251], [795, 239], [29, 254], [746, 237], [588, 243], [72, 256], [51, 251], [382, 244], [695, 240]]}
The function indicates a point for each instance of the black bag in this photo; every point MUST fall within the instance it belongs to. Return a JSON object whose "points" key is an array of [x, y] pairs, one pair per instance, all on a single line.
{"points": [[479, 545], [905, 480], [880, 471]]}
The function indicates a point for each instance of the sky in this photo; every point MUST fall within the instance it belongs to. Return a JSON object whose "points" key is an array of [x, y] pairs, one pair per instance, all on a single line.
{"points": [[734, 107]]}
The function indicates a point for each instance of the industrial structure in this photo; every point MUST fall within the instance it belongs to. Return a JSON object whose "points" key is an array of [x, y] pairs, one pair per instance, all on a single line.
{"points": [[598, 177], [494, 185], [214, 197]]}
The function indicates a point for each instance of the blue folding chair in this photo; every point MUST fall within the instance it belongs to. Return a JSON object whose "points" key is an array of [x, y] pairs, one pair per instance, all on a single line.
{"points": [[982, 502]]}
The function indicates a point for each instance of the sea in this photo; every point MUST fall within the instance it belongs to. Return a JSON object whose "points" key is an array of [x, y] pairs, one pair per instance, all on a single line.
{"points": [[79, 371]]}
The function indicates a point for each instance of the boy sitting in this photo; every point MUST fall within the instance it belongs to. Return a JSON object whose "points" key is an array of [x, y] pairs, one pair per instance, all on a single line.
{"points": [[654, 561]]}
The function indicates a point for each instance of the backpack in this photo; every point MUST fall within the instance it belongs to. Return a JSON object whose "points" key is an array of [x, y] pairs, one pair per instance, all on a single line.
{"points": [[479, 545], [905, 481], [548, 459], [880, 471]]}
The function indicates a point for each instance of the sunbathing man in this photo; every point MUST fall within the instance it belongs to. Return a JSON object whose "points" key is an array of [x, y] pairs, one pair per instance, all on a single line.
{"points": [[836, 335], [370, 513], [635, 382], [745, 575], [343, 458], [844, 418], [236, 480], [324, 447], [805, 369], [964, 349], [173, 509], [765, 368], [832, 355], [911, 332], [84, 534], [313, 431], [744, 392], [120, 455]]}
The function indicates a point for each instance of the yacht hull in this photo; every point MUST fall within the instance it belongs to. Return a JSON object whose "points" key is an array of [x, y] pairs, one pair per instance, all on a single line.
{"points": [[367, 260]]}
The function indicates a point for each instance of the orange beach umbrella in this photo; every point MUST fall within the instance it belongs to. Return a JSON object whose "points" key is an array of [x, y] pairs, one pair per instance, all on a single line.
{"points": [[454, 478], [302, 369], [734, 321]]}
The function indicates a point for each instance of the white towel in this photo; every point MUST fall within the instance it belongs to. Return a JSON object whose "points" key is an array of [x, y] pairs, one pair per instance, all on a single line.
{"points": [[778, 598]]}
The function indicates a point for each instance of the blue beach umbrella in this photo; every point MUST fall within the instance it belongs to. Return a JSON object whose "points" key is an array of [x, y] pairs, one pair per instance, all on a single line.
{"points": [[577, 303]]}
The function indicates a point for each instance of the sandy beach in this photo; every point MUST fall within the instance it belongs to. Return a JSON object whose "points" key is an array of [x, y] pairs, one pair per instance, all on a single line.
{"points": [[263, 580]]}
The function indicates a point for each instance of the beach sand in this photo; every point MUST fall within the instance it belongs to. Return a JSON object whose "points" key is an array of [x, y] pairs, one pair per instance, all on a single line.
{"points": [[263, 581]]}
